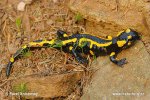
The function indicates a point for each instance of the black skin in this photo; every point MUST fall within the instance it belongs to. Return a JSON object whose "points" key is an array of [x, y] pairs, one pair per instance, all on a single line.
{"points": [[100, 46]]}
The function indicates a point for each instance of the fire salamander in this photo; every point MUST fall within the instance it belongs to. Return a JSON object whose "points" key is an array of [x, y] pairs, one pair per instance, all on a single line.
{"points": [[77, 44]]}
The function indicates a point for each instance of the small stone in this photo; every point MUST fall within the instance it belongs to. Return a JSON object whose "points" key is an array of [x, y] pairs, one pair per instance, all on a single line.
{"points": [[55, 1], [49, 22], [21, 6], [12, 49]]}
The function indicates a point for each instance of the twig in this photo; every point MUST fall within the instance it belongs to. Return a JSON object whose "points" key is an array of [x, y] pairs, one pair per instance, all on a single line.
{"points": [[4, 26], [66, 57], [46, 61]]}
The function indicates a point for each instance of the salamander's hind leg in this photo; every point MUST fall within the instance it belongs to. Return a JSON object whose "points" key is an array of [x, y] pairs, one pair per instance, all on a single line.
{"points": [[116, 61], [62, 34], [37, 43], [77, 55]]}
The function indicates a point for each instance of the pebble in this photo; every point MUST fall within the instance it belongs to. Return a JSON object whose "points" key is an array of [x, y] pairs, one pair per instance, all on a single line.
{"points": [[49, 22], [12, 49], [55, 1], [21, 6]]}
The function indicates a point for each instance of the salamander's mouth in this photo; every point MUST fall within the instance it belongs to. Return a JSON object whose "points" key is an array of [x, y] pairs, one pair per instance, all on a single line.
{"points": [[139, 37], [136, 36]]}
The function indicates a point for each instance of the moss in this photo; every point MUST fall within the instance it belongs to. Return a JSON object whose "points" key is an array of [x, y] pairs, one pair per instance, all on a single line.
{"points": [[22, 87]]}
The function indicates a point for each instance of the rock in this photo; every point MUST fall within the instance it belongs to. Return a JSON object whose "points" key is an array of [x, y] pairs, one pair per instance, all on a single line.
{"points": [[107, 18], [108, 78], [51, 86], [12, 49], [115, 15], [21, 6]]}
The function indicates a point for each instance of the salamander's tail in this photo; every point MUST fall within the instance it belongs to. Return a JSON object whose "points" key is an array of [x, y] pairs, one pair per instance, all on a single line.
{"points": [[8, 69], [37, 43], [12, 60]]}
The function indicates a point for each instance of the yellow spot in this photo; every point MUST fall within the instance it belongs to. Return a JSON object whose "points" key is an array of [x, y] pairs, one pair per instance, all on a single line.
{"points": [[121, 43], [129, 43], [128, 30], [93, 42], [25, 46], [109, 37], [119, 33], [112, 54], [65, 35], [91, 52], [129, 37], [11, 59], [70, 48], [51, 42], [69, 41]]}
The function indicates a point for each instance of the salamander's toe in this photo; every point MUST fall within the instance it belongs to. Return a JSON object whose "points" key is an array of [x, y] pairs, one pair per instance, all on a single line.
{"points": [[83, 61], [122, 62]]}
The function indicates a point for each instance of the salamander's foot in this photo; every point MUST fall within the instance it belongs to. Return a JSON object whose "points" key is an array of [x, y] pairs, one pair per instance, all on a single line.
{"points": [[122, 62], [82, 60]]}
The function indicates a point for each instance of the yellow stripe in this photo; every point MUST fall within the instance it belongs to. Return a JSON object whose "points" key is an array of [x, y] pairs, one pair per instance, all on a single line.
{"points": [[11, 59], [109, 37], [69, 41], [41, 43], [121, 43], [93, 42], [119, 33], [112, 54]]}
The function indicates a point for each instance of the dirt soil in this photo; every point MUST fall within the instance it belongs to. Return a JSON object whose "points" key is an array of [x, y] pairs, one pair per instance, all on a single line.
{"points": [[61, 75], [55, 75]]}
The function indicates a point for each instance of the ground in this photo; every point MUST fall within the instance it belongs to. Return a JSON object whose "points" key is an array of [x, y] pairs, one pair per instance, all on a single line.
{"points": [[53, 74], [40, 20]]}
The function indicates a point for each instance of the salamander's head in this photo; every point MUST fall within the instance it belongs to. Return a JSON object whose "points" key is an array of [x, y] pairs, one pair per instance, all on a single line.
{"points": [[61, 34], [127, 38]]}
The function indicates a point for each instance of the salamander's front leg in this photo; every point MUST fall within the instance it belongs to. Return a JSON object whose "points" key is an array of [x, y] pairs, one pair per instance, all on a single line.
{"points": [[38, 43], [116, 61], [77, 55]]}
